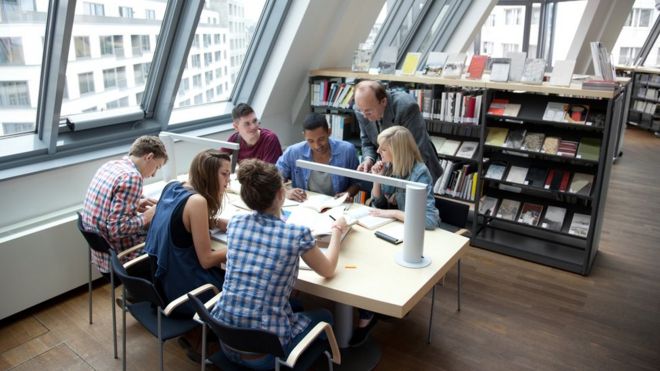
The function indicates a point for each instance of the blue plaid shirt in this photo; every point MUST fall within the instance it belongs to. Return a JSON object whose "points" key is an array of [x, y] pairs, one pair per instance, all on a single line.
{"points": [[262, 267]]}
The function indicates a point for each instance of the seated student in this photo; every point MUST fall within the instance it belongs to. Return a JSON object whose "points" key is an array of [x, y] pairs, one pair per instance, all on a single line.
{"points": [[319, 147], [254, 141], [179, 235], [400, 158], [261, 270], [114, 205]]}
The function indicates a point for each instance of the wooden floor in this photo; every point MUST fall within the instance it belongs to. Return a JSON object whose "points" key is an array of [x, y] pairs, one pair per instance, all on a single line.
{"points": [[515, 315]]}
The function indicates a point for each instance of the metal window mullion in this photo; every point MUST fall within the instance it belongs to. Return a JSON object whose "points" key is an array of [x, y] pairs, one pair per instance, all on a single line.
{"points": [[392, 15], [648, 43], [421, 24], [449, 25], [262, 44], [59, 24], [395, 17], [527, 24]]}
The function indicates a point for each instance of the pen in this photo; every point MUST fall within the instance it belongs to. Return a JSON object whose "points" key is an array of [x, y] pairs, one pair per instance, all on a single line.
{"points": [[332, 217]]}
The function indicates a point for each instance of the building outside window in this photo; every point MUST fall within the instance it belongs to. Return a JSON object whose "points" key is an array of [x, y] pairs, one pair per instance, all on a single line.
{"points": [[197, 81], [81, 44], [9, 128], [122, 102], [198, 99], [506, 47], [208, 59], [93, 9], [112, 45], [141, 71], [639, 17], [208, 77], [14, 94], [86, 82], [209, 95], [150, 14], [196, 61], [140, 44], [207, 40], [114, 78], [11, 50], [627, 55], [512, 17], [125, 12]]}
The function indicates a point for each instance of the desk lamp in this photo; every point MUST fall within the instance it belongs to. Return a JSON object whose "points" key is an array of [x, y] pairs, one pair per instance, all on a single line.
{"points": [[413, 229], [169, 170]]}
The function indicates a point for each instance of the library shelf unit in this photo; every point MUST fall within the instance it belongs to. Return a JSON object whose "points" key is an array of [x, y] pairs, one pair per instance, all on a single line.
{"points": [[557, 248], [644, 110]]}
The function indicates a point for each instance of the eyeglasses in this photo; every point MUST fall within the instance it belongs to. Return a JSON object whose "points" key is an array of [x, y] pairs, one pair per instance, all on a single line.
{"points": [[366, 112]]}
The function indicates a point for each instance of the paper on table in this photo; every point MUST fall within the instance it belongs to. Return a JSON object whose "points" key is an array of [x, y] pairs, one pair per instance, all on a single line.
{"points": [[320, 203], [360, 215]]}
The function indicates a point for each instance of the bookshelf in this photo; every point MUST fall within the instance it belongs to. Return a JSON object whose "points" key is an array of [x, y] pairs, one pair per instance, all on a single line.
{"points": [[603, 114], [644, 110]]}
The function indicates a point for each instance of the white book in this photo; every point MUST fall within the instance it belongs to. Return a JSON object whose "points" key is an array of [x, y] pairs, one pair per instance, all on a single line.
{"points": [[517, 65], [499, 70], [360, 215], [517, 174], [562, 73], [454, 67], [320, 203]]}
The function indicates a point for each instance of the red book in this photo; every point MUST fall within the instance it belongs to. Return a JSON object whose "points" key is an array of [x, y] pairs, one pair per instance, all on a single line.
{"points": [[477, 66], [497, 106], [470, 104], [563, 186], [548, 179]]}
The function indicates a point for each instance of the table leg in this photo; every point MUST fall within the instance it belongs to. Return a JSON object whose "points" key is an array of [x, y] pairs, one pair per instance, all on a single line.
{"points": [[343, 324]]}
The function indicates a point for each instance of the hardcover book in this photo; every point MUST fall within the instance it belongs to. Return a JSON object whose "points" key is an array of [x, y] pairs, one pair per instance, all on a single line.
{"points": [[550, 145], [589, 149], [435, 62], [467, 149], [487, 206], [454, 66], [499, 69], [497, 106], [495, 171], [530, 213], [410, 63], [562, 72], [555, 111], [576, 114], [533, 142], [567, 148], [438, 142], [508, 209], [387, 61], [554, 218], [515, 138], [536, 177], [449, 147], [517, 65], [581, 184], [477, 66], [517, 174], [580, 225], [533, 71], [496, 136]]}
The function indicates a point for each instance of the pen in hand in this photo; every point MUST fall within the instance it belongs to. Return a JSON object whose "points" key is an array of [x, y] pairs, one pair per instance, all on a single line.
{"points": [[332, 217]]}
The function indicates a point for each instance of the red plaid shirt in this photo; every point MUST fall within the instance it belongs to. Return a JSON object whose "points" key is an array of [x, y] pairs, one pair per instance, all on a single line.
{"points": [[111, 205]]}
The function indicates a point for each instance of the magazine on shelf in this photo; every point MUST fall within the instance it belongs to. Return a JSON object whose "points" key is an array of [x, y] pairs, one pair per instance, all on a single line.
{"points": [[508, 209], [517, 65], [562, 72], [517, 174], [496, 171], [477, 66], [580, 225], [499, 69], [589, 149], [533, 142], [550, 145], [410, 63], [581, 184], [515, 138], [467, 149], [536, 177], [454, 67], [449, 147], [487, 206], [530, 213], [496, 136], [387, 60], [554, 218], [533, 71], [435, 62]]}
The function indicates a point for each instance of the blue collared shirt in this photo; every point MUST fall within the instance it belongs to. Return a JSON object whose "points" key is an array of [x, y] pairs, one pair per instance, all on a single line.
{"points": [[343, 154], [420, 173]]}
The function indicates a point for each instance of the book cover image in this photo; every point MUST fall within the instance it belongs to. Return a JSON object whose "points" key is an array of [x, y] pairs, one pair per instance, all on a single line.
{"points": [[435, 62], [533, 142], [496, 136], [497, 106], [454, 67], [487, 205], [467, 149], [517, 174], [567, 148], [580, 225], [533, 71], [555, 111], [530, 213], [589, 149], [508, 209], [536, 177], [550, 145], [553, 218], [499, 69], [495, 171], [410, 63], [449, 147], [515, 138], [581, 184], [477, 66]]}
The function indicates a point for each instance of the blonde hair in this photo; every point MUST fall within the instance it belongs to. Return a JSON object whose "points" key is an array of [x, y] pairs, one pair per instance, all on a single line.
{"points": [[403, 147]]}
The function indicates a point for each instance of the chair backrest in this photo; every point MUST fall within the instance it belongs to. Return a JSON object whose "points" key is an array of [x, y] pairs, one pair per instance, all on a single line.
{"points": [[241, 339], [94, 240], [139, 289], [452, 213]]}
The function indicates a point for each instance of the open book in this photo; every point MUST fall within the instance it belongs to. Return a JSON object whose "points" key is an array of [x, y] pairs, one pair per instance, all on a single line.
{"points": [[319, 224], [320, 203], [360, 215]]}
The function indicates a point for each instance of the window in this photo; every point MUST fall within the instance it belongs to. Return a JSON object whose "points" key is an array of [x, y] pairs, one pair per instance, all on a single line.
{"points": [[627, 55], [86, 82], [112, 45], [487, 48], [512, 16], [14, 94], [208, 59], [81, 44], [125, 12], [209, 95], [122, 102], [218, 72], [196, 41], [196, 61], [150, 14], [141, 71], [491, 20], [140, 44], [197, 81], [639, 17], [11, 50], [208, 77], [218, 56], [218, 90], [506, 47], [207, 40], [93, 9], [197, 99], [9, 128], [114, 78], [216, 38]]}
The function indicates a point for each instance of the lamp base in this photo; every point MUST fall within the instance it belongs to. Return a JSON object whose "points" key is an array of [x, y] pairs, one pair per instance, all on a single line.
{"points": [[398, 257]]}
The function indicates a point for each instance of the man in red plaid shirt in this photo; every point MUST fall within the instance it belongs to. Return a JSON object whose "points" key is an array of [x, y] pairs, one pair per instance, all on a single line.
{"points": [[114, 206]]}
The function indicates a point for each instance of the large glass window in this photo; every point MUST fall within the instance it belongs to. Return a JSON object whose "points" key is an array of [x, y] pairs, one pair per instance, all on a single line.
{"points": [[11, 50], [635, 31], [503, 32]]}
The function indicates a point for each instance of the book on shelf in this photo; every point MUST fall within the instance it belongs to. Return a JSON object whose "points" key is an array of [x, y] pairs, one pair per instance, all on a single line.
{"points": [[553, 218], [580, 225], [410, 63], [557, 180], [530, 213], [533, 142], [515, 138], [502, 107], [495, 171], [435, 62], [321, 203], [600, 57], [517, 65], [517, 174], [387, 60], [589, 149], [594, 84], [536, 177], [550, 145], [487, 205], [454, 67], [555, 111], [496, 136], [533, 71], [477, 66], [449, 147], [562, 72], [508, 209], [567, 148], [467, 149], [576, 114], [499, 69], [581, 184], [438, 142], [360, 215]]}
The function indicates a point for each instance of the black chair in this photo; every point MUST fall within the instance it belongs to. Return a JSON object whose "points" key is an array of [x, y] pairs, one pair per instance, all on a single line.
{"points": [[256, 342], [453, 215], [148, 306]]}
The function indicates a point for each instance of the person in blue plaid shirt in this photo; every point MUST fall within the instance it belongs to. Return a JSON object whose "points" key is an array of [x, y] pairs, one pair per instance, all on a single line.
{"points": [[262, 265]]}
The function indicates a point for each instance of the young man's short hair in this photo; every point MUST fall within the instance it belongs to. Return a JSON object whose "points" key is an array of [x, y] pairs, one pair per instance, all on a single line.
{"points": [[241, 110], [148, 144], [314, 121]]}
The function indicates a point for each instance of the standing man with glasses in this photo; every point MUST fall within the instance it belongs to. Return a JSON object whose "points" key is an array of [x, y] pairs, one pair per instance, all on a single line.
{"points": [[254, 141], [377, 109]]}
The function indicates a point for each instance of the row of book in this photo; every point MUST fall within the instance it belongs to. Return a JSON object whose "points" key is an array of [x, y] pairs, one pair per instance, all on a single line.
{"points": [[457, 106], [458, 180], [648, 108], [331, 93], [533, 214], [554, 111], [554, 179], [338, 124], [648, 93], [586, 149], [646, 78], [452, 147]]}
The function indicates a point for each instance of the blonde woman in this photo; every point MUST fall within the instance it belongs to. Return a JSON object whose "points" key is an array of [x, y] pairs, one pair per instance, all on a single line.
{"points": [[400, 158]]}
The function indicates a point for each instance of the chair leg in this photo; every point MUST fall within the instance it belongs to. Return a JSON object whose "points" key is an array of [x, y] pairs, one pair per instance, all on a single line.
{"points": [[203, 346], [160, 340], [329, 358], [89, 284], [123, 321], [459, 285], [428, 339], [114, 312]]}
